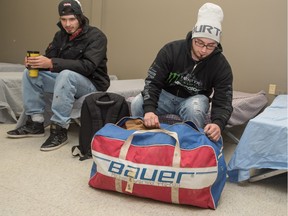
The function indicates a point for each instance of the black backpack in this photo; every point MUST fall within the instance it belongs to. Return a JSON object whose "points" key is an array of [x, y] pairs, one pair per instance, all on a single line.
{"points": [[98, 109]]}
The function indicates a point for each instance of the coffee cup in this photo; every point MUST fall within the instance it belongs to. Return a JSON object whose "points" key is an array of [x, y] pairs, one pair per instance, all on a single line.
{"points": [[33, 72]]}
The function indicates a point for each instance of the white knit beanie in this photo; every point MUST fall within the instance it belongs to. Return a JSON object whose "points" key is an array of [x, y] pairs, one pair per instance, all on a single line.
{"points": [[208, 23]]}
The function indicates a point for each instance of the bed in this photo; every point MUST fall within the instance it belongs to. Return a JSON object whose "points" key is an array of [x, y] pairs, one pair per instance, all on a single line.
{"points": [[10, 91], [246, 105], [11, 67], [10, 96], [263, 145], [11, 106]]}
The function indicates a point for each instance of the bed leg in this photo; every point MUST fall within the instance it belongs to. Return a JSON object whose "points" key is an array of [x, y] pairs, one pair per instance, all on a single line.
{"points": [[266, 175], [232, 136]]}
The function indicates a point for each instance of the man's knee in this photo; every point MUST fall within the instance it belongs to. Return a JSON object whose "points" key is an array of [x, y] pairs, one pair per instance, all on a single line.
{"points": [[195, 109], [137, 106], [65, 75]]}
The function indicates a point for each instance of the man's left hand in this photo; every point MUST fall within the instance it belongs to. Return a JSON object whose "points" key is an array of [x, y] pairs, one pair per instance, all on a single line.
{"points": [[212, 131], [39, 62]]}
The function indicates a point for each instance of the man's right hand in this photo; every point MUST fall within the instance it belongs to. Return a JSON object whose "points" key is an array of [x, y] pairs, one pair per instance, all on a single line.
{"points": [[151, 120]]}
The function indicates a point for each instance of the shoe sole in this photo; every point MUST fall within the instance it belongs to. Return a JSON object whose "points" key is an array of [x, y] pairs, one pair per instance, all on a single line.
{"points": [[54, 148], [25, 135]]}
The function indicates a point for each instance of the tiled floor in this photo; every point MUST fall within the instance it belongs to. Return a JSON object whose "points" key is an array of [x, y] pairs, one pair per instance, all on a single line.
{"points": [[35, 183]]}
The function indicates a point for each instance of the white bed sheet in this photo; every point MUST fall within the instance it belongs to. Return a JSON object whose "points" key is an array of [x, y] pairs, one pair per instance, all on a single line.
{"points": [[10, 91], [263, 144], [11, 67], [10, 96]]}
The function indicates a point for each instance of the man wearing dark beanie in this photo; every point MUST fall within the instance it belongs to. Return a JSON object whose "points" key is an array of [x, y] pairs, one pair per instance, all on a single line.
{"points": [[187, 75], [74, 64]]}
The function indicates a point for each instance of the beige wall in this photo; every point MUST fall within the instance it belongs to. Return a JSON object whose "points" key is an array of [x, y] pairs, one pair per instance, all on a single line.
{"points": [[254, 34]]}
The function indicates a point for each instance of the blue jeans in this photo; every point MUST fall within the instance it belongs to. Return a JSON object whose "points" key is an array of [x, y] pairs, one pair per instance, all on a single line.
{"points": [[194, 108], [66, 87]]}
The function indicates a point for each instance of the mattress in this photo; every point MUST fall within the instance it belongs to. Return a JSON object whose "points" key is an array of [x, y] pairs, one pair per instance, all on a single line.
{"points": [[10, 67], [263, 144], [245, 105], [10, 96]]}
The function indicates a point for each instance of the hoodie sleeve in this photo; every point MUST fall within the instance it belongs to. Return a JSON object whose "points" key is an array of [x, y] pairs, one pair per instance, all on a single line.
{"points": [[223, 93], [155, 81]]}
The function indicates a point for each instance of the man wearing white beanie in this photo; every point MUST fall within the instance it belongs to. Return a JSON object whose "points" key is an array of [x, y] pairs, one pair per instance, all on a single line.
{"points": [[187, 75]]}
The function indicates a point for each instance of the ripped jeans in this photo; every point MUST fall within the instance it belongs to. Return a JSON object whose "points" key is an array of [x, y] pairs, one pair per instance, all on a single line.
{"points": [[66, 87], [194, 108]]}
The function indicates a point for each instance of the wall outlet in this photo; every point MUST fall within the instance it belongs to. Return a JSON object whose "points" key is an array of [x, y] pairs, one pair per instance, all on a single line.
{"points": [[272, 89]]}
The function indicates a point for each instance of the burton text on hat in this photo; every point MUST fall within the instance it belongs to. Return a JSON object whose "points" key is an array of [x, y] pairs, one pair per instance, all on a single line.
{"points": [[210, 17]]}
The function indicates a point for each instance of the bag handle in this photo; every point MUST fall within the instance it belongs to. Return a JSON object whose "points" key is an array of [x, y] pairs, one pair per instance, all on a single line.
{"points": [[104, 99], [104, 102], [175, 163], [177, 152]]}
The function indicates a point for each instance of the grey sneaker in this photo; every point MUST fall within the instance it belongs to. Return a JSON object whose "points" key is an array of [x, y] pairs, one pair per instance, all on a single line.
{"points": [[30, 129], [58, 137]]}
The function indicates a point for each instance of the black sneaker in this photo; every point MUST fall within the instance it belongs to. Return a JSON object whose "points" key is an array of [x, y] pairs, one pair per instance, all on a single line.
{"points": [[57, 138], [30, 129]]}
